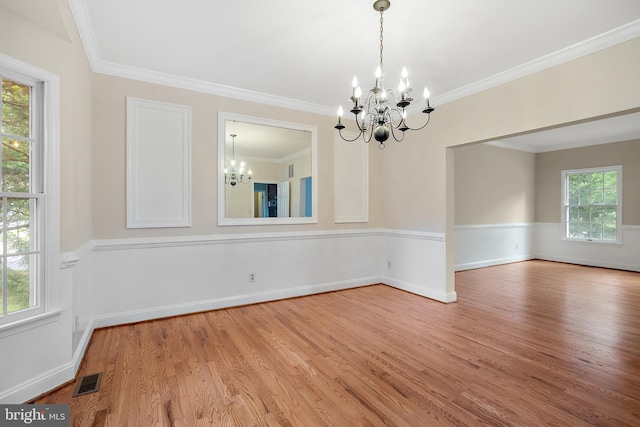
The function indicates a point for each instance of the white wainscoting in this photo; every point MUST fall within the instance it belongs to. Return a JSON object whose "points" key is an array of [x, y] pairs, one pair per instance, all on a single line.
{"points": [[416, 262], [485, 245], [143, 279], [549, 245], [111, 282]]}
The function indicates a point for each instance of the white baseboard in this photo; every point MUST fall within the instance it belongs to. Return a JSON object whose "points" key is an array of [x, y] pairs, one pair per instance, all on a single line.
{"points": [[81, 348], [38, 385], [492, 262], [221, 303], [485, 245], [550, 246], [421, 290]]}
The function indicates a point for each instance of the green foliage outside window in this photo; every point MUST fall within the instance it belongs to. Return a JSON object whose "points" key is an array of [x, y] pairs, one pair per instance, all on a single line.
{"points": [[592, 205], [16, 178]]}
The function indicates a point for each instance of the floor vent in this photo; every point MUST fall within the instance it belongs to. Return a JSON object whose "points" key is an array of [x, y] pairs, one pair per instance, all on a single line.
{"points": [[88, 384]]}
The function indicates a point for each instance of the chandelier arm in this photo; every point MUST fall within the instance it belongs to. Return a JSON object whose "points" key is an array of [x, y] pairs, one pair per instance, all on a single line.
{"points": [[370, 133], [349, 140], [421, 127], [393, 133]]}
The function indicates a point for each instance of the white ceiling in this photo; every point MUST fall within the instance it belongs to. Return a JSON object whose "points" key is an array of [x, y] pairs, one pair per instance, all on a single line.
{"points": [[304, 54]]}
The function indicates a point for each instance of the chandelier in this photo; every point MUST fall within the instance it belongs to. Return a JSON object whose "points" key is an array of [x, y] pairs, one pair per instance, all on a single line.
{"points": [[382, 112], [234, 174]]}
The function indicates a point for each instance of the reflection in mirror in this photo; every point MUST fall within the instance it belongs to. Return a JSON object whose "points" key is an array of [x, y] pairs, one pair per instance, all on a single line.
{"points": [[267, 171]]}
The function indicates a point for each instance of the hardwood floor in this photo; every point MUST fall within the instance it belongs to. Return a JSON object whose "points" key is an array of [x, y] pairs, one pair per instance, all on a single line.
{"points": [[527, 344]]}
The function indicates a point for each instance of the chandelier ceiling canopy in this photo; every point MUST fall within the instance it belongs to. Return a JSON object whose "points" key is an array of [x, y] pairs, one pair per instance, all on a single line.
{"points": [[382, 113]]}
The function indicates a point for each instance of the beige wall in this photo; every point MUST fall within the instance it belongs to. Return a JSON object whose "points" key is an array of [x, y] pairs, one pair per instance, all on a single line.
{"points": [[493, 185], [109, 95], [549, 185], [596, 85], [58, 50]]}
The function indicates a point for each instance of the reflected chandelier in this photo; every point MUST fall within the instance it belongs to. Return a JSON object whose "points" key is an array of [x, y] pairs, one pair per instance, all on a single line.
{"points": [[382, 112], [234, 174]]}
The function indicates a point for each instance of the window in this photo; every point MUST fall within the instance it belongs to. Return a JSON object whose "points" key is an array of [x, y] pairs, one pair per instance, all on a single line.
{"points": [[20, 197], [29, 194], [592, 204]]}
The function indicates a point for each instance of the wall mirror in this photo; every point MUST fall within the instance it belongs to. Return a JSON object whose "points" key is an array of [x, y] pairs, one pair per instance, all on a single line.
{"points": [[267, 171]]}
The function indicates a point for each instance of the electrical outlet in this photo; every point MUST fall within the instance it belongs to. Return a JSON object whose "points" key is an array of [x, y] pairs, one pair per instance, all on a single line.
{"points": [[252, 277], [388, 264]]}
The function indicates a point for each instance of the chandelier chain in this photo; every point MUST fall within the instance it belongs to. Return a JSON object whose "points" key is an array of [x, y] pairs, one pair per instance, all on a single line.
{"points": [[381, 37]]}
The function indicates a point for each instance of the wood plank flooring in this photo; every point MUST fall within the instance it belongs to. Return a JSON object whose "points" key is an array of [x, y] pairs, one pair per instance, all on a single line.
{"points": [[527, 344]]}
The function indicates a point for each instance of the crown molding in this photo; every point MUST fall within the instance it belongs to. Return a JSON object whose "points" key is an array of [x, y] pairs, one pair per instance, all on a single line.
{"points": [[98, 65], [583, 48]]}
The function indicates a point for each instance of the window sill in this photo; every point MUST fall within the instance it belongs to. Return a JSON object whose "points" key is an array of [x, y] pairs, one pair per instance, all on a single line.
{"points": [[599, 242], [23, 325]]}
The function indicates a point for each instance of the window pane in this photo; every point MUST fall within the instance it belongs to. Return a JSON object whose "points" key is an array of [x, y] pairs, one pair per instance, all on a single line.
{"points": [[609, 215], [609, 233], [15, 108], [15, 165], [610, 179], [585, 196], [1, 288], [596, 231], [573, 215], [18, 295], [573, 193], [597, 196], [18, 225], [579, 230], [610, 196]]}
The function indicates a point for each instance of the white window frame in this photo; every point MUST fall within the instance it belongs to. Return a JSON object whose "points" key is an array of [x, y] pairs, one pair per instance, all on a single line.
{"points": [[48, 119], [565, 203]]}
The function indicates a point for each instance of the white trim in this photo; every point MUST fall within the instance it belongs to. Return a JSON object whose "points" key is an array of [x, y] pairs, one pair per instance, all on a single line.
{"points": [[446, 297], [215, 239], [511, 225], [485, 245], [352, 185], [227, 302], [586, 47], [551, 247], [422, 235], [51, 169], [38, 385], [81, 348], [23, 325], [150, 158], [564, 202], [222, 219], [578, 50], [492, 262]]}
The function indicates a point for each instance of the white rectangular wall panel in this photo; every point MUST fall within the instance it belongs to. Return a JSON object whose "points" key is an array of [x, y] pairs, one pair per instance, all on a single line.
{"points": [[158, 164], [351, 180]]}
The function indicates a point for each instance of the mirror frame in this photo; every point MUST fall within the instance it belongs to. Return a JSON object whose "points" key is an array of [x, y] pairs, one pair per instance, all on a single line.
{"points": [[222, 219]]}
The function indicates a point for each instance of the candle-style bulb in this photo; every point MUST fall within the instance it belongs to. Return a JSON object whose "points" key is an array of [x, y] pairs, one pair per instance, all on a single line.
{"points": [[426, 93], [404, 72], [358, 93], [340, 111], [354, 82]]}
